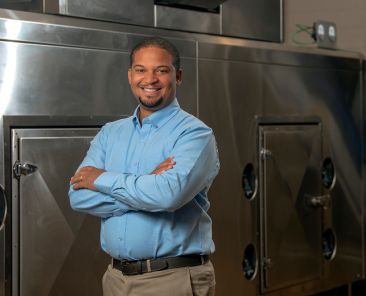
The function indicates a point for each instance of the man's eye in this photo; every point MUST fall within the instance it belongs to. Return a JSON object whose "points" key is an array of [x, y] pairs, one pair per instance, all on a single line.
{"points": [[162, 71], [140, 70]]}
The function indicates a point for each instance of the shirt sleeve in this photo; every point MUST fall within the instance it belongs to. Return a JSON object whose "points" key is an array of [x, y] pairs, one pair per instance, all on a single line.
{"points": [[197, 163], [92, 202]]}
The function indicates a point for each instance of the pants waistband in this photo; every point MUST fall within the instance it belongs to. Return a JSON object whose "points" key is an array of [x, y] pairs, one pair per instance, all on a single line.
{"points": [[151, 265]]}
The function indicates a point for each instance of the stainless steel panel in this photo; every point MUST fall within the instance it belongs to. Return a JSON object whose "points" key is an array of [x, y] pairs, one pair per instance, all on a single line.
{"points": [[59, 80], [292, 227], [14, 1], [187, 20], [139, 12], [59, 250], [334, 95], [38, 78], [4, 210], [253, 82], [276, 56], [260, 19], [29, 5], [234, 85], [230, 95]]}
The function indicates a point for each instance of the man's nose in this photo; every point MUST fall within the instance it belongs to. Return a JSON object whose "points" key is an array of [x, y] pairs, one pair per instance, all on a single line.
{"points": [[150, 77]]}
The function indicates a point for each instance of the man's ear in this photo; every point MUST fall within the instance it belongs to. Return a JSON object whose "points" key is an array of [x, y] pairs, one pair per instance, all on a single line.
{"points": [[179, 76], [129, 75]]}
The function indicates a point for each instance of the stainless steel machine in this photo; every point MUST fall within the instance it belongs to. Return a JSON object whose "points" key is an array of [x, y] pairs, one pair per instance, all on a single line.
{"points": [[288, 205]]}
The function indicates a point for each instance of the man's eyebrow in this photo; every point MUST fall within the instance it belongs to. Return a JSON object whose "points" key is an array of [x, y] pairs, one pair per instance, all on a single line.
{"points": [[157, 67]]}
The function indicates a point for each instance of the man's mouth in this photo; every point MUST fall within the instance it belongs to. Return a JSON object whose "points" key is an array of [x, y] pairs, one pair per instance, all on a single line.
{"points": [[151, 89]]}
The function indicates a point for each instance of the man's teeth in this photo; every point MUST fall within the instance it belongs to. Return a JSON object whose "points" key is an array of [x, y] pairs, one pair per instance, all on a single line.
{"points": [[150, 89]]}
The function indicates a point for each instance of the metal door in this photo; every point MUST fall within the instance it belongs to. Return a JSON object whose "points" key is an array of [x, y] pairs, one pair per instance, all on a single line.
{"points": [[56, 250], [290, 180]]}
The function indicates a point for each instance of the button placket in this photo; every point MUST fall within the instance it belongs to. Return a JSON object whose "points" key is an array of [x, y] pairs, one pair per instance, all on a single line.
{"points": [[144, 135]]}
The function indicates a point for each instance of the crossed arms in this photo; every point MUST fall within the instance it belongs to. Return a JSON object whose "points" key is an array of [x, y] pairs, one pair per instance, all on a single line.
{"points": [[173, 183]]}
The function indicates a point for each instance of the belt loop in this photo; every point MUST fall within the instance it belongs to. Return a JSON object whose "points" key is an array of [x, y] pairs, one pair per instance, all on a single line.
{"points": [[148, 265]]}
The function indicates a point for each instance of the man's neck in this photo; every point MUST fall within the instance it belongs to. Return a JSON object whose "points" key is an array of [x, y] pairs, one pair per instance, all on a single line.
{"points": [[142, 113]]}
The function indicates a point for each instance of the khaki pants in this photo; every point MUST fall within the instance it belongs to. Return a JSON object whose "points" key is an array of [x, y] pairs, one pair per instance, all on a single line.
{"points": [[187, 281]]}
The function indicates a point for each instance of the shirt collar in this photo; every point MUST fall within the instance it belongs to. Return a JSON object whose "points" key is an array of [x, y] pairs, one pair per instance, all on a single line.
{"points": [[159, 117]]}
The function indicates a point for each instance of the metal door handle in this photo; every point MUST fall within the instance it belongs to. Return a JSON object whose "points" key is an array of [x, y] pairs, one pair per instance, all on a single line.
{"points": [[23, 169], [4, 208], [322, 201]]}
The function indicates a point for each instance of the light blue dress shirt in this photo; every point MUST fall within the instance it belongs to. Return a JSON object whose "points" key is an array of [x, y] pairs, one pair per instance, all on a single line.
{"points": [[146, 215]]}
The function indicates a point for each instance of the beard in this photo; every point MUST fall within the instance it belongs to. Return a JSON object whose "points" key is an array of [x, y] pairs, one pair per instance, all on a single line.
{"points": [[151, 105]]}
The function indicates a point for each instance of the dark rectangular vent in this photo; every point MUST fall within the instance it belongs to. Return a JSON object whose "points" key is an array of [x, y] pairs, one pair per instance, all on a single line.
{"points": [[198, 5]]}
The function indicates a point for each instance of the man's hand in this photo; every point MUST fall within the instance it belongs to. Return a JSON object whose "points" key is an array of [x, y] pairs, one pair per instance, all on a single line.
{"points": [[167, 164], [84, 178]]}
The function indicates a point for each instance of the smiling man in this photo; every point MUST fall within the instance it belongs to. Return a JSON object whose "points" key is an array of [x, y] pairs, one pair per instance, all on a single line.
{"points": [[147, 177]]}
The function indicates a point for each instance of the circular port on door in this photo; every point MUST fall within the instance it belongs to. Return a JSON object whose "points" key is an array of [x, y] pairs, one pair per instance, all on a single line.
{"points": [[3, 208], [328, 173], [250, 263], [249, 181], [329, 244]]}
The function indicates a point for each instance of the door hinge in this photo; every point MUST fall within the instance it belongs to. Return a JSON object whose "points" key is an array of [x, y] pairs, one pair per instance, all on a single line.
{"points": [[23, 169], [265, 153]]}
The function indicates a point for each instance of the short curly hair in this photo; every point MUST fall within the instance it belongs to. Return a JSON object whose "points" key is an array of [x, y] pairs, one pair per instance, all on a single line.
{"points": [[160, 43]]}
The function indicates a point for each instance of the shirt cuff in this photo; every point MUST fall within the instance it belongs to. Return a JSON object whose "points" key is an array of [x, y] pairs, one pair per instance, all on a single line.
{"points": [[104, 183]]}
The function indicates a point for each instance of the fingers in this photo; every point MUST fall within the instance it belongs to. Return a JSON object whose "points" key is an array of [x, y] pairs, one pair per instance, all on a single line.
{"points": [[164, 166], [76, 179], [85, 177]]}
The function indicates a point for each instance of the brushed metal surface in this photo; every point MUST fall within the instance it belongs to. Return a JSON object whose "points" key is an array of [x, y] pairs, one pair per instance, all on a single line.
{"points": [[2, 251], [291, 227], [334, 95], [46, 80], [68, 82], [261, 19], [281, 86], [47, 266], [230, 93], [70, 71], [27, 5], [187, 20], [139, 12], [59, 80]]}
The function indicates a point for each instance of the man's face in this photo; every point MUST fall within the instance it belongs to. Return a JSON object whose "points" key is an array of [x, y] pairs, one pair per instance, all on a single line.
{"points": [[153, 78]]}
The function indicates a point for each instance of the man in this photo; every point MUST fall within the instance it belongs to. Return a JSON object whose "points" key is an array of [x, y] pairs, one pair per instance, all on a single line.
{"points": [[147, 177]]}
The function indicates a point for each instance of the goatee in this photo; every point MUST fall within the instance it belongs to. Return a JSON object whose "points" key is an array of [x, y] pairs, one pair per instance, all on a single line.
{"points": [[151, 105]]}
